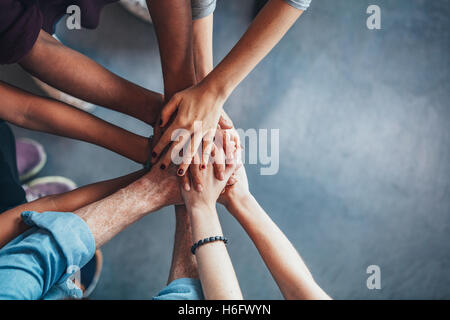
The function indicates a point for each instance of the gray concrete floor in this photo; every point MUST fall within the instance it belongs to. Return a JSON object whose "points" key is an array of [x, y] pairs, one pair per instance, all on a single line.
{"points": [[364, 147]]}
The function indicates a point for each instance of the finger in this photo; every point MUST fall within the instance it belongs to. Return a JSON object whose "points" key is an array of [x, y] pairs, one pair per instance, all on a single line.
{"points": [[225, 122], [185, 182], [219, 163], [173, 153], [168, 110], [232, 180], [237, 157], [236, 139], [196, 174], [157, 131], [239, 151], [228, 147], [229, 170], [207, 148], [189, 152], [166, 138]]}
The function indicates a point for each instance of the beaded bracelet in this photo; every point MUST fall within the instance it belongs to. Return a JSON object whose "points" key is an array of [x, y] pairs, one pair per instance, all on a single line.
{"points": [[206, 240]]}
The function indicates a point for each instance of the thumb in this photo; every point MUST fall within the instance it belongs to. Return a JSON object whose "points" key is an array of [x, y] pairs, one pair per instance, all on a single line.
{"points": [[225, 123], [168, 110]]}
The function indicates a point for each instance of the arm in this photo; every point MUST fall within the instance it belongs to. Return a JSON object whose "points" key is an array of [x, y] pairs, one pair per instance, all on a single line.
{"points": [[216, 271], [204, 101], [41, 114], [109, 216], [173, 25], [285, 264], [180, 40], [215, 268], [13, 225], [202, 36], [268, 28], [76, 74], [37, 260]]}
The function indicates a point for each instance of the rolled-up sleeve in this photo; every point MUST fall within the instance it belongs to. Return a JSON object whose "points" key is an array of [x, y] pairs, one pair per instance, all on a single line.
{"points": [[20, 23], [299, 4], [202, 8], [44, 257]]}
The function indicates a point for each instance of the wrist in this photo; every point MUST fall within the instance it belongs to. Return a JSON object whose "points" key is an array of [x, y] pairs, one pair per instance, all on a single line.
{"points": [[159, 190], [154, 103], [218, 87], [201, 208], [239, 205]]}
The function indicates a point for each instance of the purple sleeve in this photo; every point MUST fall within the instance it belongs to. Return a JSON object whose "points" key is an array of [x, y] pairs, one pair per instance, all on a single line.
{"points": [[20, 24]]}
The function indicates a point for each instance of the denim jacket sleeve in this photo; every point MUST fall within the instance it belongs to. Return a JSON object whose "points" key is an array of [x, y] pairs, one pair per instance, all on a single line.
{"points": [[40, 261]]}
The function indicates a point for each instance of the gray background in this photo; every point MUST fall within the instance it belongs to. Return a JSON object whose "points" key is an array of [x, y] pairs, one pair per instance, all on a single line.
{"points": [[364, 147]]}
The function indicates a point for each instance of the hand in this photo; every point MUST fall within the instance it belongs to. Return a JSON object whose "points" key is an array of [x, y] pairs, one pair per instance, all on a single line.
{"points": [[196, 103], [211, 187], [232, 195], [226, 140], [167, 183]]}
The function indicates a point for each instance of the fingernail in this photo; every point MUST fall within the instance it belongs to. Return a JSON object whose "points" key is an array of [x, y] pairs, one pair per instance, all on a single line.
{"points": [[199, 188], [187, 187], [221, 176], [154, 154], [203, 166], [163, 166], [180, 172]]}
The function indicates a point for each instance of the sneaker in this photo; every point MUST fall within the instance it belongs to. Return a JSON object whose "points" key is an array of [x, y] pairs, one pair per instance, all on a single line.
{"points": [[47, 186], [30, 158], [138, 8]]}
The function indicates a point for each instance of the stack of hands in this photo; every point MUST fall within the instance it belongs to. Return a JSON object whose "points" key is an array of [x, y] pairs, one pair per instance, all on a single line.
{"points": [[193, 159]]}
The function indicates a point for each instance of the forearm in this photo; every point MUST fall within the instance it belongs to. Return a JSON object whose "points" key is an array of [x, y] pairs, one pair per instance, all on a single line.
{"points": [[46, 115], [173, 26], [267, 29], [215, 268], [202, 31], [76, 74], [285, 264], [109, 216], [203, 50], [13, 225]]}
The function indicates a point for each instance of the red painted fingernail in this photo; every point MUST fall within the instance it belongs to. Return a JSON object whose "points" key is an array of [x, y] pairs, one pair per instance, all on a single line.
{"points": [[154, 154], [203, 166], [162, 167], [180, 172]]}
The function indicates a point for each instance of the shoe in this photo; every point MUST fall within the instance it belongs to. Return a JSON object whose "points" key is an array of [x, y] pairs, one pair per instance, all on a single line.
{"points": [[90, 274], [47, 186], [138, 8], [30, 158]]}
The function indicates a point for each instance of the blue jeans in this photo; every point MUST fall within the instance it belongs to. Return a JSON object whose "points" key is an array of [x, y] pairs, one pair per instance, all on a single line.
{"points": [[38, 264], [182, 289]]}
